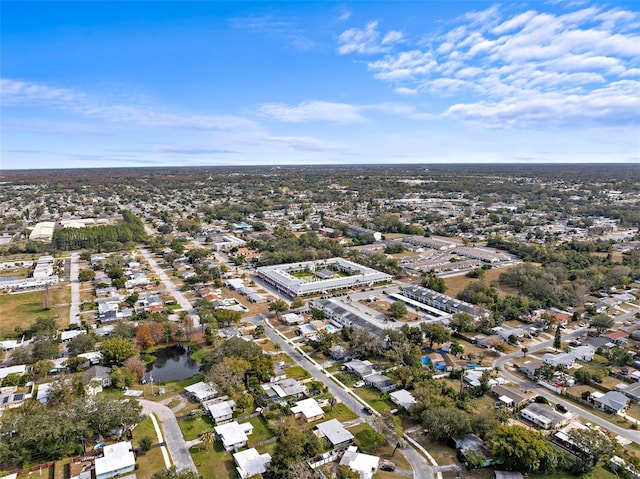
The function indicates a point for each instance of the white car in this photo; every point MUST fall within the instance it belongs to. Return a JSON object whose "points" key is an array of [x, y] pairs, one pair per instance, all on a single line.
{"points": [[359, 384]]}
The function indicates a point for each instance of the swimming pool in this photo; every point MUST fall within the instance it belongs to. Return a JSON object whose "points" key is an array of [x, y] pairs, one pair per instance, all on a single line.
{"points": [[331, 328]]}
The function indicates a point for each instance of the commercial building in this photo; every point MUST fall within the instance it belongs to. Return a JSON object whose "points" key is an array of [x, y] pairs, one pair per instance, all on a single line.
{"points": [[442, 301], [286, 279]]}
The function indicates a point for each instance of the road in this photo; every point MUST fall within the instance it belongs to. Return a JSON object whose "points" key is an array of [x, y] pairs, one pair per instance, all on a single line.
{"points": [[421, 468], [74, 270], [170, 286], [172, 434], [531, 386]]}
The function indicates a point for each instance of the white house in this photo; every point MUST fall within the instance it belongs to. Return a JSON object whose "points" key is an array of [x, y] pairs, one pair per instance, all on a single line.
{"points": [[250, 462], [201, 391], [402, 398], [335, 432], [116, 459], [233, 435], [308, 409], [364, 464], [583, 353], [561, 359], [220, 411]]}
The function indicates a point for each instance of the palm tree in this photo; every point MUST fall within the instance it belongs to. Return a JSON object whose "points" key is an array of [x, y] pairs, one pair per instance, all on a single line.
{"points": [[208, 438]]}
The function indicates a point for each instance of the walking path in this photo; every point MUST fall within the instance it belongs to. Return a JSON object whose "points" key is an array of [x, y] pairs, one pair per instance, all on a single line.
{"points": [[165, 454], [74, 270]]}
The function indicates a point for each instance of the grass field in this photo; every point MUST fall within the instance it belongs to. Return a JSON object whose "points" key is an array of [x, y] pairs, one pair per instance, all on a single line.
{"points": [[455, 284], [152, 461], [374, 398], [384, 452], [24, 308]]}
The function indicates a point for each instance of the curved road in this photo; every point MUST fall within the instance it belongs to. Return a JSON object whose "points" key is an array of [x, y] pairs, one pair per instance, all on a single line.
{"points": [[539, 390], [170, 286], [172, 434], [421, 468]]}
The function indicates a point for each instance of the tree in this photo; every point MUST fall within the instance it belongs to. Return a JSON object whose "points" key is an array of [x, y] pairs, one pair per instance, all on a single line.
{"points": [[117, 350], [520, 448], [145, 444], [524, 350], [374, 438], [443, 423], [456, 348], [591, 445], [144, 339], [136, 366], [557, 339], [245, 402], [345, 472], [208, 437], [433, 282], [45, 349], [86, 275], [297, 302], [278, 306], [435, 333], [227, 316], [82, 343], [228, 375], [601, 322], [461, 323], [363, 343], [398, 310], [122, 377]]}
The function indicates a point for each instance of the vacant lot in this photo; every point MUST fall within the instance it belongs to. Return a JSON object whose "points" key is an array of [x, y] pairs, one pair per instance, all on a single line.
{"points": [[22, 309], [455, 284]]}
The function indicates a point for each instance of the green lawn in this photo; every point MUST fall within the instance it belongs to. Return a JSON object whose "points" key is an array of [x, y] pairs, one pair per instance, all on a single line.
{"points": [[261, 431], [340, 412], [443, 454], [297, 372], [385, 452], [598, 472], [193, 427], [152, 461], [24, 308], [214, 463], [374, 398]]}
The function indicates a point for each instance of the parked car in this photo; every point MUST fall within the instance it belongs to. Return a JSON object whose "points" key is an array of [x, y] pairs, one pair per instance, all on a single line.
{"points": [[387, 467], [367, 410], [359, 384]]}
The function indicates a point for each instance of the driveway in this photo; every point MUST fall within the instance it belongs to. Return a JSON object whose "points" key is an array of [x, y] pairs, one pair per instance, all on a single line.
{"points": [[172, 434]]}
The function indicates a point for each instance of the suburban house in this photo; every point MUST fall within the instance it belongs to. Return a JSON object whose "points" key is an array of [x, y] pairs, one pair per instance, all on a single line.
{"points": [[613, 402], [250, 463], [233, 435], [565, 360], [632, 391], [364, 464], [20, 370], [543, 415], [201, 391], [402, 398], [617, 337], [508, 397], [220, 411], [97, 377], [116, 459], [531, 367], [583, 353], [335, 432], [308, 410], [437, 360], [291, 319], [361, 368], [471, 442], [381, 382], [284, 388]]}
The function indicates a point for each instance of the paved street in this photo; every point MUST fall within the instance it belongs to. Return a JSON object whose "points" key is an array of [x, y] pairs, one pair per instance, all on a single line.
{"points": [[531, 386], [170, 286], [74, 310], [421, 468], [172, 434]]}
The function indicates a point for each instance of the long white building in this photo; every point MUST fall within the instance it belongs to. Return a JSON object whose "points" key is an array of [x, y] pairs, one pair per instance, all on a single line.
{"points": [[324, 276]]}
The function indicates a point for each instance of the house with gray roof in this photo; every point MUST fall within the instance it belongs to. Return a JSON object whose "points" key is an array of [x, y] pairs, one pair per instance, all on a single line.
{"points": [[613, 402], [335, 432]]}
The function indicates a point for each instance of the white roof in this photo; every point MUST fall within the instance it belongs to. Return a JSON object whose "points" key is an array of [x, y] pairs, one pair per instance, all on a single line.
{"points": [[251, 462], [19, 369], [201, 390], [233, 433], [403, 398], [115, 457], [364, 464], [220, 409], [43, 392], [308, 407], [334, 431]]}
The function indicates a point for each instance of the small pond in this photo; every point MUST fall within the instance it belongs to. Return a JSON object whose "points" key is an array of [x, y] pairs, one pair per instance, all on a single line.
{"points": [[172, 364]]}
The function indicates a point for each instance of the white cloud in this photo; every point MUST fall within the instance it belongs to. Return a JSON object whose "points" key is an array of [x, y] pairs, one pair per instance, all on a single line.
{"points": [[495, 63], [367, 40], [312, 110], [344, 13]]}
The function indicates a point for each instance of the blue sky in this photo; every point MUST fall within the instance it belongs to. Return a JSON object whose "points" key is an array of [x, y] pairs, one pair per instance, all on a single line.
{"points": [[101, 84]]}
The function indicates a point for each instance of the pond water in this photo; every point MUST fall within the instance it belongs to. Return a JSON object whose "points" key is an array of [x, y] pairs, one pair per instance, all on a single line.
{"points": [[172, 364]]}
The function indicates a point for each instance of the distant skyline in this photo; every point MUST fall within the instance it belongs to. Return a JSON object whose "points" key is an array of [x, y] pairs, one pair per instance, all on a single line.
{"points": [[114, 84]]}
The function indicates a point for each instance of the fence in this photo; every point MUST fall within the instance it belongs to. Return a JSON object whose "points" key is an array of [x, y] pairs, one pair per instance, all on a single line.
{"points": [[322, 460]]}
